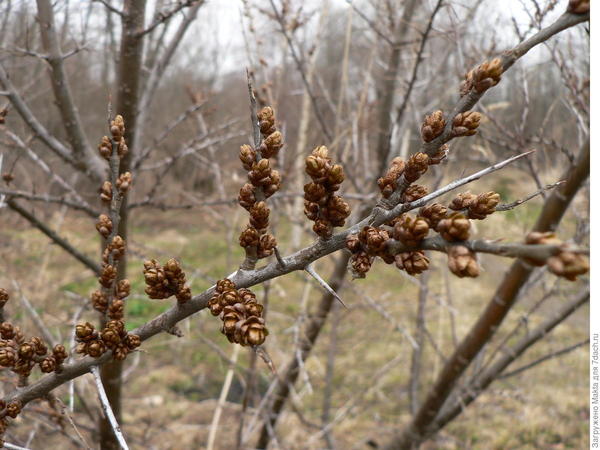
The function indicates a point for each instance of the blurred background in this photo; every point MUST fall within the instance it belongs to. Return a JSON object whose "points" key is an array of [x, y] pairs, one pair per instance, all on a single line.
{"points": [[358, 77]]}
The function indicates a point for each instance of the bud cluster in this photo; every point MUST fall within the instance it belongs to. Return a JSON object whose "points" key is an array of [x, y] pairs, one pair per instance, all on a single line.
{"points": [[21, 355], [483, 77], [466, 124], [412, 170], [113, 337], [240, 312], [476, 206], [12, 410], [3, 113], [263, 183], [433, 125], [565, 263], [163, 282], [321, 204]]}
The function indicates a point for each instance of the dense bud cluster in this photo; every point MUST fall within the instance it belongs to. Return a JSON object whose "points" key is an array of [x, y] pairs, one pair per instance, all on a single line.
{"points": [[321, 205], [21, 355], [565, 263], [263, 183], [414, 192], [413, 263], [371, 242], [466, 124], [163, 282], [388, 183], [12, 410], [113, 337], [455, 227], [483, 77], [410, 230], [432, 126], [433, 214], [476, 206], [240, 312]]}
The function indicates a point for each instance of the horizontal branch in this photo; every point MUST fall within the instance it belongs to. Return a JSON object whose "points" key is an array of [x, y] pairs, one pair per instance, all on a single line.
{"points": [[45, 198], [538, 253], [242, 279]]}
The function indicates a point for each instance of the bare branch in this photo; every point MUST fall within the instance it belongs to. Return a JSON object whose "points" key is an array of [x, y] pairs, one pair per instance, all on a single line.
{"points": [[107, 409], [309, 269], [60, 241]]}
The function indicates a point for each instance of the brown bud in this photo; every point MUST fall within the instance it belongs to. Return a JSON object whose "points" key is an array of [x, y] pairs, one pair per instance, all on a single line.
{"points": [[247, 156], [60, 353], [85, 332], [246, 198], [107, 276], [13, 409], [484, 205], [388, 183], [360, 264], [462, 262], [133, 341], [416, 166], [117, 127], [462, 201], [374, 239], [454, 228], [7, 331], [105, 148], [95, 348], [106, 192], [117, 247], [433, 214], [353, 243], [104, 225], [48, 364], [413, 263], [271, 145], [122, 289], [410, 231], [8, 357], [432, 126], [414, 192], [568, 265], [249, 237], [465, 124], [124, 182], [3, 297]]}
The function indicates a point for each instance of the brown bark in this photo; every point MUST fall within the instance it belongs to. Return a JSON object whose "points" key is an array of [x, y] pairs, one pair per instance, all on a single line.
{"points": [[386, 94], [129, 76], [490, 320]]}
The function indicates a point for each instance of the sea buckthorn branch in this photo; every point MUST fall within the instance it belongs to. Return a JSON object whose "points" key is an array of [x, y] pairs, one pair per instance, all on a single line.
{"points": [[21, 356], [263, 182], [241, 279], [109, 299], [300, 259], [438, 130]]}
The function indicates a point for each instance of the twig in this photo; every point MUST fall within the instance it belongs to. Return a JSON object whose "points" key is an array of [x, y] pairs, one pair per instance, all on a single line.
{"points": [[107, 409], [48, 199], [309, 269], [508, 206], [111, 8], [62, 242], [214, 426], [39, 323], [555, 354]]}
